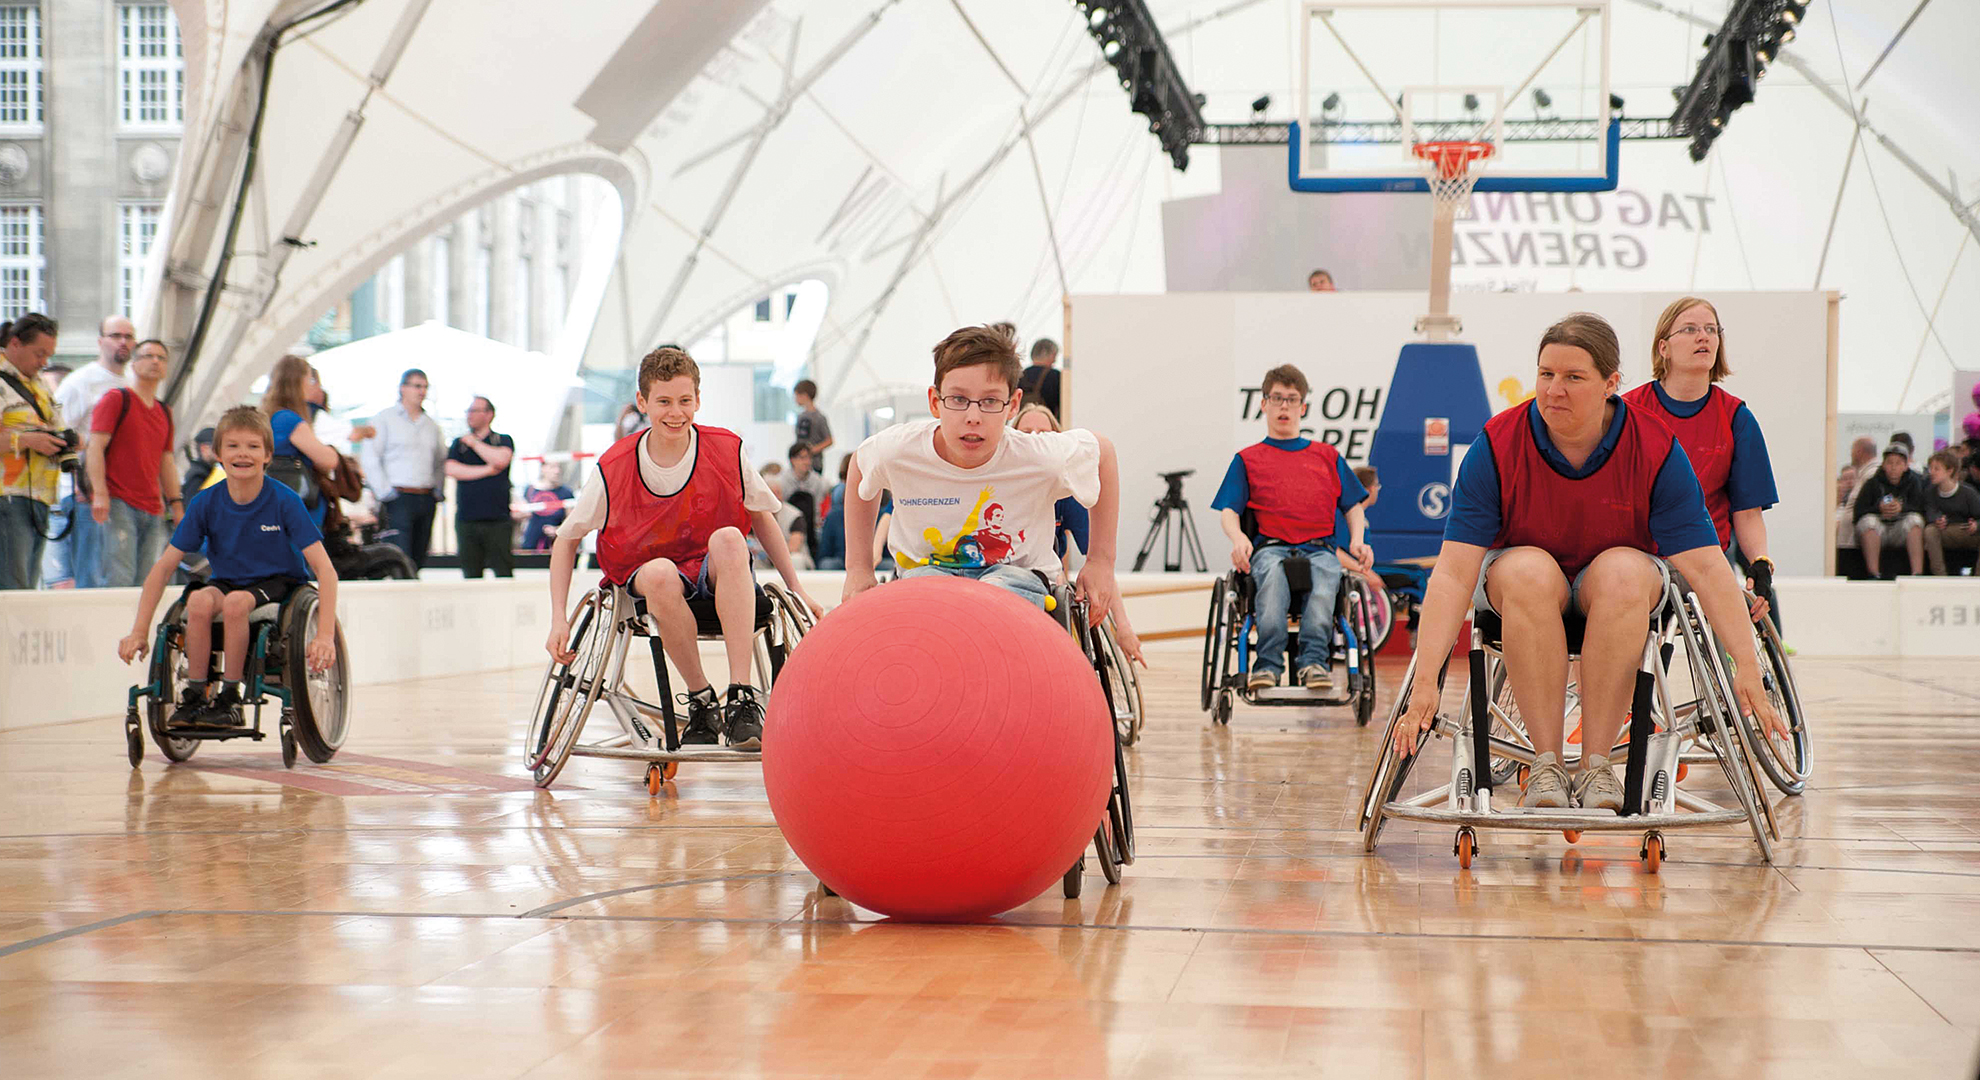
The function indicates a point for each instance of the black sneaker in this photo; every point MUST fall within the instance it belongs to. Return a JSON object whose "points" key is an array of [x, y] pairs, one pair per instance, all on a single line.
{"points": [[704, 725], [223, 711], [192, 701], [742, 715]]}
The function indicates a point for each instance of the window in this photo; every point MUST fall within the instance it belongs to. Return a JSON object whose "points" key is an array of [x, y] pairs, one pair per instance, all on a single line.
{"points": [[20, 68], [763, 310], [21, 260], [774, 403], [151, 67], [137, 226]]}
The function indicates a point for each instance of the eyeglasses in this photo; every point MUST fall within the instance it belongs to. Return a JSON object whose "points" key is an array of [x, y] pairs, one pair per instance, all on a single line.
{"points": [[1287, 400], [990, 406], [1693, 330]]}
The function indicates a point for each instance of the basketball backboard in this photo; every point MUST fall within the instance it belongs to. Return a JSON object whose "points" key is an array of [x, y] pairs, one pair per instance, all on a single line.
{"points": [[1531, 77]]}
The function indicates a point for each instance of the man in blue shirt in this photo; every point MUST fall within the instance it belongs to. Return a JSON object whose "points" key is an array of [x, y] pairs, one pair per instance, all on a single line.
{"points": [[260, 544]]}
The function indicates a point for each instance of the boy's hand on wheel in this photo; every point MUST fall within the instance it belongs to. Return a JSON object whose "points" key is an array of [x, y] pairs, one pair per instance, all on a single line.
{"points": [[1241, 554], [132, 646], [856, 583], [560, 634], [322, 652], [1098, 588], [1416, 720]]}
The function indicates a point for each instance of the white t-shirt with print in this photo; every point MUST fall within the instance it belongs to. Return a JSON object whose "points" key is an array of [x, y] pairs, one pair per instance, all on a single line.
{"points": [[589, 513], [998, 512]]}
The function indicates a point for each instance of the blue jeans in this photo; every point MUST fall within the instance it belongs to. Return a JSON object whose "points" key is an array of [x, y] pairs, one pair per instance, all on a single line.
{"points": [[21, 539], [133, 540], [1274, 603], [1027, 584], [85, 546], [55, 557]]}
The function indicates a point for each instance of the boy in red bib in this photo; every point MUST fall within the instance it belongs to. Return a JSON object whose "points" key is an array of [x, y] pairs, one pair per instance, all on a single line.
{"points": [[1293, 486], [672, 502]]}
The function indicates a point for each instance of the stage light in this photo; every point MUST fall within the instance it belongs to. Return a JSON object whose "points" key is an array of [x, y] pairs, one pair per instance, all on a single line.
{"points": [[1541, 99], [1258, 106], [1332, 102], [1737, 56], [1132, 43], [1471, 103]]}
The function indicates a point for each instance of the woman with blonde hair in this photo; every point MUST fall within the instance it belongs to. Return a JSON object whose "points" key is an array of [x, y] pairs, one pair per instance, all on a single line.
{"points": [[1070, 528], [1717, 431], [286, 404]]}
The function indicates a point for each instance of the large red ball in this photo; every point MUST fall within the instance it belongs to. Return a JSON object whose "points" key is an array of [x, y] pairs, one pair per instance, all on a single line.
{"points": [[938, 749]]}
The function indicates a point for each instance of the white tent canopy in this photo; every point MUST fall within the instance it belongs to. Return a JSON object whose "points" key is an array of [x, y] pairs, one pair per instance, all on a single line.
{"points": [[878, 146]]}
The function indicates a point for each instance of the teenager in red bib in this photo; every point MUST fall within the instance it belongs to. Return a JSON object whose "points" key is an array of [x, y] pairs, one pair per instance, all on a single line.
{"points": [[671, 503], [1720, 437], [1565, 504], [1294, 487]]}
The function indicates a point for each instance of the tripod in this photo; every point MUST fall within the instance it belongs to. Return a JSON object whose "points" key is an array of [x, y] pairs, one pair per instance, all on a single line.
{"points": [[1182, 539]]}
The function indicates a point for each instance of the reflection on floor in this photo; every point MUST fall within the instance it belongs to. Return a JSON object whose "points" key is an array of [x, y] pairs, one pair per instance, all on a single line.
{"points": [[200, 921]]}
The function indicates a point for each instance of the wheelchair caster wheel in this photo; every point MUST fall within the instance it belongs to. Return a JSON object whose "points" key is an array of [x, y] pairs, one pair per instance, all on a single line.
{"points": [[658, 774], [1572, 836], [1466, 847], [1075, 878], [288, 747], [133, 740], [1653, 852], [1683, 770], [826, 890], [1220, 710]]}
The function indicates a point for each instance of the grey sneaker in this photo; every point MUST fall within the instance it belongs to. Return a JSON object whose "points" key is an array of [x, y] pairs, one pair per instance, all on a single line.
{"points": [[1546, 784], [1316, 677], [1261, 680], [1596, 786]]}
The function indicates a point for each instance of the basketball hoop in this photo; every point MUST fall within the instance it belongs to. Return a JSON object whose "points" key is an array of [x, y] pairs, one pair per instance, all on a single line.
{"points": [[1448, 165]]}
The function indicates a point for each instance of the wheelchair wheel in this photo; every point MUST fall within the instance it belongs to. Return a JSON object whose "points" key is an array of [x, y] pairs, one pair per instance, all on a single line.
{"points": [[1362, 606], [1786, 761], [1220, 711], [1103, 849], [1120, 809], [1214, 632], [166, 662], [1391, 770], [134, 742], [1124, 688], [1506, 722], [322, 703], [1721, 710], [1381, 611], [570, 690], [1075, 878]]}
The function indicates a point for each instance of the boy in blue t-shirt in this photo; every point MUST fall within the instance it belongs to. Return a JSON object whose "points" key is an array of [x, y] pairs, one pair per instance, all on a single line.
{"points": [[1292, 486], [258, 536]]}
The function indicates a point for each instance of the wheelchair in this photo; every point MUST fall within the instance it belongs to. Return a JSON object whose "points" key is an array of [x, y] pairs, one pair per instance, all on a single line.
{"points": [[1230, 640], [1123, 683], [315, 706], [1666, 733], [608, 618], [1113, 839]]}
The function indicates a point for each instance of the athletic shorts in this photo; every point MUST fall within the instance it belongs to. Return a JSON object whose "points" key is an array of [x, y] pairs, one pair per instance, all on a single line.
{"points": [[272, 590], [1480, 602]]}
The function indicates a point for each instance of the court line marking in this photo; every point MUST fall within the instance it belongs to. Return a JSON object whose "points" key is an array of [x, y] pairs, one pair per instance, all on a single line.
{"points": [[547, 909], [74, 931], [1928, 684], [1396, 935]]}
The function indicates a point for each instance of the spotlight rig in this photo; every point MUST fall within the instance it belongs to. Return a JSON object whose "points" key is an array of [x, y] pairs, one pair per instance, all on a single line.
{"points": [[1130, 41], [1736, 59]]}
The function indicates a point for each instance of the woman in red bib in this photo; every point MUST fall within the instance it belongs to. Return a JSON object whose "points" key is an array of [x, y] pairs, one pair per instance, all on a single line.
{"points": [[1720, 437], [1564, 505]]}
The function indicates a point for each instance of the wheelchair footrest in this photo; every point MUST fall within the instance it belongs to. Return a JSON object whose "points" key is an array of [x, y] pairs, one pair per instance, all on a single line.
{"points": [[1297, 695], [1563, 818], [214, 731], [633, 753]]}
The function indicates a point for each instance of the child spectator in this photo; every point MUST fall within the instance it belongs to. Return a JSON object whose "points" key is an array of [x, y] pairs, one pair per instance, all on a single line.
{"points": [[973, 498], [1292, 486], [1890, 511], [671, 504], [832, 531], [806, 490], [260, 544], [552, 500], [812, 429], [1952, 510]]}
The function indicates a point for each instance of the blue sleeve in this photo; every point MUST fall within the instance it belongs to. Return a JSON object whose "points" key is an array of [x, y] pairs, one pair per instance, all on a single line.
{"points": [[1073, 518], [296, 520], [1352, 491], [1475, 517], [1751, 483], [282, 424], [190, 536], [1679, 521], [1236, 489]]}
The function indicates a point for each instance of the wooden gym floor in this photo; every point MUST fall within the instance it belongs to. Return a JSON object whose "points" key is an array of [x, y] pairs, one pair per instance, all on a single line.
{"points": [[419, 911]]}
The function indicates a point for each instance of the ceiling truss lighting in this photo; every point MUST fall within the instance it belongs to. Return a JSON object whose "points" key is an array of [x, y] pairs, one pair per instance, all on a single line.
{"points": [[1133, 45], [1736, 59]]}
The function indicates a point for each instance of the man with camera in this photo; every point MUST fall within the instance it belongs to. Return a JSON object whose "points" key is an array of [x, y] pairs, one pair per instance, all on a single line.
{"points": [[35, 448], [78, 397]]}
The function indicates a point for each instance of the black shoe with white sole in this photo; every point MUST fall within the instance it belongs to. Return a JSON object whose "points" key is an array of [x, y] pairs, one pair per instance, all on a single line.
{"points": [[742, 716], [704, 725]]}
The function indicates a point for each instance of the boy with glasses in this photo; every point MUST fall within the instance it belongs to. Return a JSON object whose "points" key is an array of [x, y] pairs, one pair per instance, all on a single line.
{"points": [[974, 498], [1292, 485]]}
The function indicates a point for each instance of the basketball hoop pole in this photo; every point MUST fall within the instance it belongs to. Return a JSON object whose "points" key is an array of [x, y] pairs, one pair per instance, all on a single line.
{"points": [[1449, 168]]}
